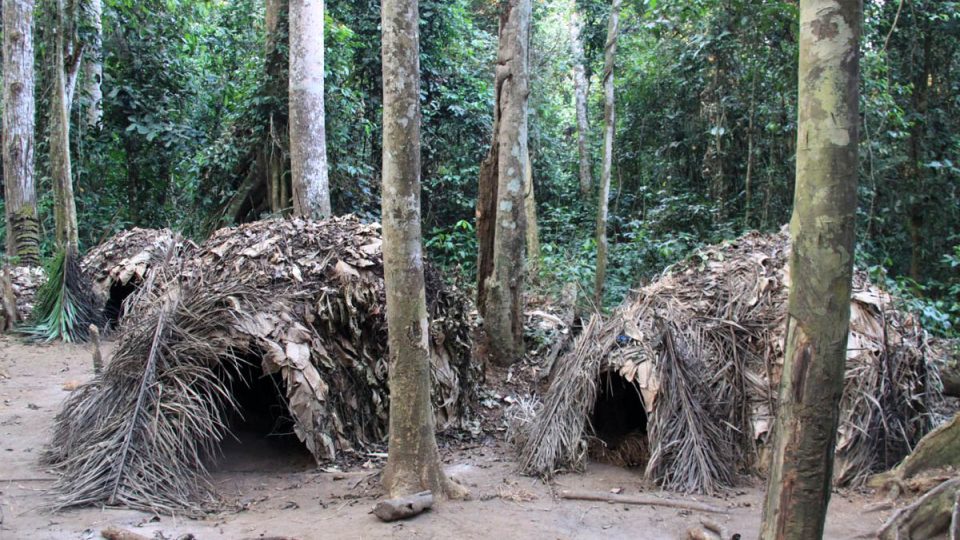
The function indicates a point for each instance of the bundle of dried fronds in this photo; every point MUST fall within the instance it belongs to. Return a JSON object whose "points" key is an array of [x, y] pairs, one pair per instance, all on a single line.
{"points": [[300, 299], [120, 263], [559, 443], [65, 305], [141, 432], [704, 344]]}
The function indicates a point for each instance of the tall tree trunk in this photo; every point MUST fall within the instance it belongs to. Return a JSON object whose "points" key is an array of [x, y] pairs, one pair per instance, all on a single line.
{"points": [[308, 143], [67, 56], [821, 264], [500, 206], [20, 193], [413, 464], [609, 130], [93, 65], [580, 90], [276, 144], [530, 211]]}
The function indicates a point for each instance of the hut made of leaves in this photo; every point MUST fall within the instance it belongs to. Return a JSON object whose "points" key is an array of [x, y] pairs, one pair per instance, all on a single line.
{"points": [[701, 350], [301, 302]]}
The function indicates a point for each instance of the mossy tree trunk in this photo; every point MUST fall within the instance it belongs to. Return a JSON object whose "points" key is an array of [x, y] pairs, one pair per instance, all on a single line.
{"points": [[821, 263], [501, 218], [413, 464], [609, 130], [20, 193], [308, 143]]}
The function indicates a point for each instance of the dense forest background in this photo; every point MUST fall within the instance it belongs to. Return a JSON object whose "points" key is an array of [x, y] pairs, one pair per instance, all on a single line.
{"points": [[706, 129]]}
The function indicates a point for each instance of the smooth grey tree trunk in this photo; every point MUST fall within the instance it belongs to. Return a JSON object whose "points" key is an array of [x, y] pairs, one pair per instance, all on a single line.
{"points": [[20, 193], [821, 265], [93, 65], [413, 464], [580, 89], [609, 130], [308, 143]]}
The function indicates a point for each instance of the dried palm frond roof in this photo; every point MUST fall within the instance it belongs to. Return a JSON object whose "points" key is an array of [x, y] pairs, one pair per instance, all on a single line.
{"points": [[300, 299], [126, 257], [704, 346]]}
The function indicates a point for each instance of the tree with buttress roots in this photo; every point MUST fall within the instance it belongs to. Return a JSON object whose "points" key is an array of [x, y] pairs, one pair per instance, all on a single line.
{"points": [[821, 265], [413, 464]]}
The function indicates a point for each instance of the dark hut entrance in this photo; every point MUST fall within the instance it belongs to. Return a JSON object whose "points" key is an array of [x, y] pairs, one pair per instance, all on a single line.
{"points": [[119, 292], [619, 422], [261, 435]]}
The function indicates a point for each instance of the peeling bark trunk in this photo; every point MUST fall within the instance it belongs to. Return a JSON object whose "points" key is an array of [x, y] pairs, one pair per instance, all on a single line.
{"points": [[580, 90], [609, 130], [308, 144], [93, 66], [67, 55], [502, 216], [20, 193], [413, 464], [821, 265]]}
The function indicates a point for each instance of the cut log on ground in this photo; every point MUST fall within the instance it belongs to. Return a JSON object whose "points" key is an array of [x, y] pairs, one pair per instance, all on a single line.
{"points": [[115, 533], [404, 507], [640, 501]]}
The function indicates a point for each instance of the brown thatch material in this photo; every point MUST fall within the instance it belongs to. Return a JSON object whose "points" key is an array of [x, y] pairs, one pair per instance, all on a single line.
{"points": [[123, 260], [25, 280], [302, 299], [703, 345]]}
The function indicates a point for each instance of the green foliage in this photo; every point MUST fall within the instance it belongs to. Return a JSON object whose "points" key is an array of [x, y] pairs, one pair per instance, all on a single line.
{"points": [[705, 139], [455, 249]]}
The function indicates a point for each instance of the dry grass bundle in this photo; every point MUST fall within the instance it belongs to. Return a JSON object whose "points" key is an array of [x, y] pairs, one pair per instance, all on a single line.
{"points": [[704, 345], [301, 299]]}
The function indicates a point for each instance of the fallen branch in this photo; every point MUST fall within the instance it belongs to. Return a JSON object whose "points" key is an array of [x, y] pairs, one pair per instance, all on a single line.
{"points": [[403, 507], [640, 501]]}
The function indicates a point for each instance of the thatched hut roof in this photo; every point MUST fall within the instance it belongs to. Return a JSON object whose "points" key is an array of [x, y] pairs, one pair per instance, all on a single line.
{"points": [[125, 258], [304, 300], [703, 345]]}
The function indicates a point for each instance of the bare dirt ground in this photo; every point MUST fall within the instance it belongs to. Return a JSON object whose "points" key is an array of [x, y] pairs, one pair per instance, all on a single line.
{"points": [[277, 492]]}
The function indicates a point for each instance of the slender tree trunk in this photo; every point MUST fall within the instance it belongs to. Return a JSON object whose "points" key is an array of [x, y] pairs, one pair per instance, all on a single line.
{"points": [[821, 263], [501, 219], [748, 182], [93, 66], [67, 54], [530, 209], [276, 144], [308, 143], [20, 194], [413, 464], [580, 90], [609, 129]]}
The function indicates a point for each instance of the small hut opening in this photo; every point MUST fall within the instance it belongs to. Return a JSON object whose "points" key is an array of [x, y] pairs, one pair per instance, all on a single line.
{"points": [[619, 423], [119, 292], [261, 429]]}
